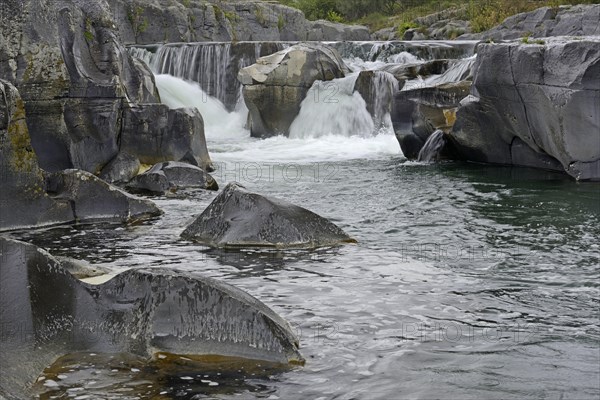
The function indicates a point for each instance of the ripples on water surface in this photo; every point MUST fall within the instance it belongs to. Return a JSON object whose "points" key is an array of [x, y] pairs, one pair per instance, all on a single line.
{"points": [[468, 282]]}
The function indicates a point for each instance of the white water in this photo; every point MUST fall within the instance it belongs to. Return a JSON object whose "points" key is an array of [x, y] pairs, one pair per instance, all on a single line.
{"points": [[229, 141], [333, 108], [459, 70], [218, 122], [433, 147]]}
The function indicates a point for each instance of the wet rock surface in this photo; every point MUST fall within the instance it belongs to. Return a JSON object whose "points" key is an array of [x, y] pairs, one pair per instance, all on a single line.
{"points": [[238, 218], [31, 197], [46, 313], [275, 86], [545, 94], [167, 176], [80, 87]]}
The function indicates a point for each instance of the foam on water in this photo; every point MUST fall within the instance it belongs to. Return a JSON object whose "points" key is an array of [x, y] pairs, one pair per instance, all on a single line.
{"points": [[322, 132]]}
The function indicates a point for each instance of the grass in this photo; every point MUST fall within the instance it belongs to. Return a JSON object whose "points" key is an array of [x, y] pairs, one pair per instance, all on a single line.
{"points": [[482, 14]]}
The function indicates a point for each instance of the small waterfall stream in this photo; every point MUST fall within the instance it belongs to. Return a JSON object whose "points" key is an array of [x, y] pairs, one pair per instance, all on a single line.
{"points": [[433, 147]]}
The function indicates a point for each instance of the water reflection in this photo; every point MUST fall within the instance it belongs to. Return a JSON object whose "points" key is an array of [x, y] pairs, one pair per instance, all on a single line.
{"points": [[169, 376]]}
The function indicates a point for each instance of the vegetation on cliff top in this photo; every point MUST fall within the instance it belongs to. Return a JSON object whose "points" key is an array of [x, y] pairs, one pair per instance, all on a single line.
{"points": [[378, 14]]}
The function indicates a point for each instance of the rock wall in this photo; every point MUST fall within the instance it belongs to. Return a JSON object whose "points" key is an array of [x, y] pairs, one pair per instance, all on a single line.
{"points": [[30, 197], [164, 21], [535, 104], [79, 84], [578, 20]]}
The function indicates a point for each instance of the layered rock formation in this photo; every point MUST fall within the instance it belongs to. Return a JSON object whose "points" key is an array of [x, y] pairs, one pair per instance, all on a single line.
{"points": [[30, 197], [85, 96], [45, 313], [275, 86], [578, 20], [533, 105], [238, 218], [164, 21]]}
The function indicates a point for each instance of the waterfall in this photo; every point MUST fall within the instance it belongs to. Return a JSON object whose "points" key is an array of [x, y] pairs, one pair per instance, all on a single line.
{"points": [[433, 147], [214, 66], [385, 85], [333, 108], [458, 70], [426, 50], [206, 64], [218, 121]]}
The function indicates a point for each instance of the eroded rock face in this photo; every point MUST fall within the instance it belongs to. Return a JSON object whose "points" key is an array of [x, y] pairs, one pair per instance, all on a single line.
{"points": [[172, 175], [29, 197], [546, 95], [78, 85], [93, 199], [158, 21], [238, 218], [155, 133], [578, 20], [45, 312], [419, 112], [275, 86]]}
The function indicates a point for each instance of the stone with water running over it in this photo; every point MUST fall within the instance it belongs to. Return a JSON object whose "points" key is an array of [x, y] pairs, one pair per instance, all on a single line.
{"points": [[238, 218]]}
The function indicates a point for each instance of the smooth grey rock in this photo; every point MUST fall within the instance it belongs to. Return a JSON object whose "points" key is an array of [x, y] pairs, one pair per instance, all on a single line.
{"points": [[237, 218], [29, 198], [76, 80], [418, 113], [577, 20], [93, 199], [23, 198], [275, 86], [81, 269], [547, 95], [322, 30], [154, 133], [172, 175], [169, 21], [45, 313], [121, 169]]}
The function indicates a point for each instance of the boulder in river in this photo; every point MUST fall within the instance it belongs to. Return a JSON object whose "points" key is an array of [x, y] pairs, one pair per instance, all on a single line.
{"points": [[275, 86], [546, 94], [45, 313], [238, 218], [171, 175]]}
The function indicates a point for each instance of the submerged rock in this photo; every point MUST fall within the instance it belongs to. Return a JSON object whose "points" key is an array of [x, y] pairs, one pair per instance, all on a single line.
{"points": [[171, 175], [237, 218], [275, 86], [544, 94], [45, 313]]}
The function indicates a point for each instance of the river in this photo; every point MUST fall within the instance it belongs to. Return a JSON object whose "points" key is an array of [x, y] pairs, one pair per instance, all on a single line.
{"points": [[467, 281]]}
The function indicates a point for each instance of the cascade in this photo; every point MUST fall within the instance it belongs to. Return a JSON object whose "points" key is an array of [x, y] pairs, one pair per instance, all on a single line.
{"points": [[333, 108], [433, 147]]}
